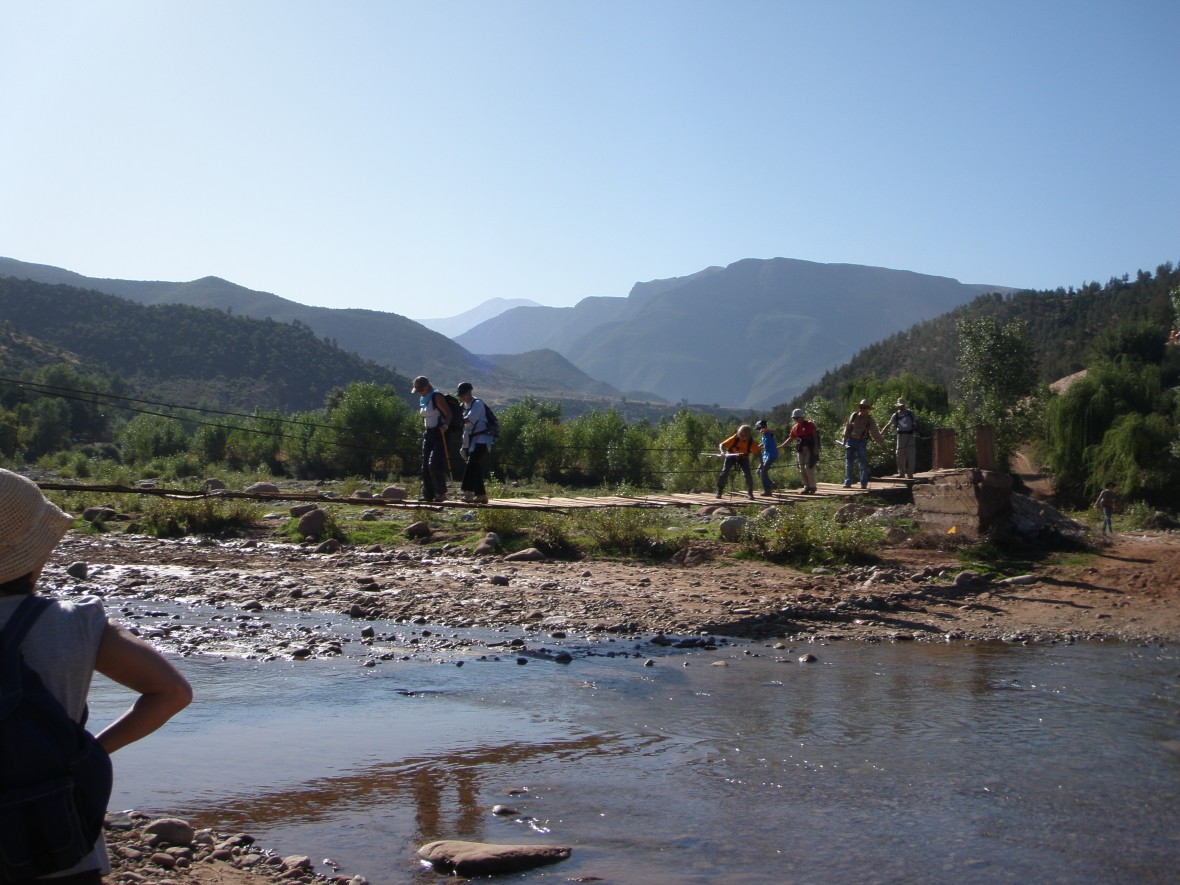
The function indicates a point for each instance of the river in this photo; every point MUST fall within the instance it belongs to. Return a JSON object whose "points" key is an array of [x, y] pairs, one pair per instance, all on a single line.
{"points": [[874, 763]]}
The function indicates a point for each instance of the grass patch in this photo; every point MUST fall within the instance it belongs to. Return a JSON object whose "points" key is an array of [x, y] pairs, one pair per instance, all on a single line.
{"points": [[625, 531], [165, 518], [811, 536]]}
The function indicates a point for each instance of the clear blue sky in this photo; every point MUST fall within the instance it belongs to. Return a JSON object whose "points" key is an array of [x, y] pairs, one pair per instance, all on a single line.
{"points": [[423, 157]]}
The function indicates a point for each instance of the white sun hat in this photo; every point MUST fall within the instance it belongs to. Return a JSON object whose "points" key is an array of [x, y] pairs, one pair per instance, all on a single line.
{"points": [[30, 526]]}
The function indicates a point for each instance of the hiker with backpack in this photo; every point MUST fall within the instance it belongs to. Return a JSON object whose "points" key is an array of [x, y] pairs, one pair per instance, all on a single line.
{"points": [[436, 418], [479, 430], [737, 450], [905, 424], [806, 438], [859, 427], [55, 777]]}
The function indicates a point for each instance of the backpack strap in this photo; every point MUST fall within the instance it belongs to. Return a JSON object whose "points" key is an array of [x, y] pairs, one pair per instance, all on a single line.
{"points": [[18, 626], [11, 660]]}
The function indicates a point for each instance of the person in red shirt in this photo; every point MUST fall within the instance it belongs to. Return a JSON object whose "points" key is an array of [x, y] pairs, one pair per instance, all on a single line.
{"points": [[737, 451], [806, 440]]}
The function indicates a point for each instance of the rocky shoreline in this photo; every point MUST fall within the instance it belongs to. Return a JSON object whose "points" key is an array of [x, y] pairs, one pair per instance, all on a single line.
{"points": [[157, 851], [431, 601]]}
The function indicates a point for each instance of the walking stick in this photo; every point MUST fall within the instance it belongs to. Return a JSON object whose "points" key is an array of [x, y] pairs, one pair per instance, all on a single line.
{"points": [[446, 451]]}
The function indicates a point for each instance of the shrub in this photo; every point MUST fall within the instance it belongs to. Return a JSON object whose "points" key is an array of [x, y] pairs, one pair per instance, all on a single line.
{"points": [[167, 518], [630, 531], [811, 535]]}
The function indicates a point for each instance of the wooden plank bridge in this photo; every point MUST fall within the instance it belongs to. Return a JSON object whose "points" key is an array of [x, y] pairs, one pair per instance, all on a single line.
{"points": [[888, 486]]}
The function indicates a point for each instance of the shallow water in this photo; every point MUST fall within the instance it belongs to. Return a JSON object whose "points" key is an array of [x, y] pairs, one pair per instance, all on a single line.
{"points": [[876, 763]]}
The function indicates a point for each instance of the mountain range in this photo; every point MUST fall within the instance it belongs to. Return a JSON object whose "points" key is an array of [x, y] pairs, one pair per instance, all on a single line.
{"points": [[747, 336], [752, 334], [388, 339]]}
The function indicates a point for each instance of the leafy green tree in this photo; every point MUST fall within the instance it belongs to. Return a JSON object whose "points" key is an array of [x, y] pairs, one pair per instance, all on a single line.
{"points": [[1135, 454], [923, 396], [84, 398], [49, 427], [530, 439], [9, 433], [998, 380], [149, 436], [679, 444], [367, 426], [1114, 425], [1142, 341], [997, 366], [257, 443], [211, 441], [594, 446]]}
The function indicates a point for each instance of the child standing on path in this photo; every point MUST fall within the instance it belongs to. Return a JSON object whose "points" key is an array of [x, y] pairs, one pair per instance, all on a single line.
{"points": [[769, 456], [1106, 503]]}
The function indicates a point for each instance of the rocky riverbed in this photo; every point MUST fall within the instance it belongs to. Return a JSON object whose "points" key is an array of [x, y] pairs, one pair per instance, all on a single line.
{"points": [[418, 599]]}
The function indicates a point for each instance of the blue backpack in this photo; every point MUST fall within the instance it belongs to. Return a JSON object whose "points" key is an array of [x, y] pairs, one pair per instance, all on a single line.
{"points": [[55, 778]]}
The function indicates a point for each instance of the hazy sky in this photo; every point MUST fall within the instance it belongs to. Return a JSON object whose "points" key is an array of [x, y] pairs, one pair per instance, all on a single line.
{"points": [[423, 157]]}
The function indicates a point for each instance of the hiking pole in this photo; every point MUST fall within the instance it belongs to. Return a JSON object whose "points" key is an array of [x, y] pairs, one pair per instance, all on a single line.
{"points": [[446, 451]]}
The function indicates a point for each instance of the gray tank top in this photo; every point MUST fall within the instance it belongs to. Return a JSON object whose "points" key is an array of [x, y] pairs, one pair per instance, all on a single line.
{"points": [[62, 647]]}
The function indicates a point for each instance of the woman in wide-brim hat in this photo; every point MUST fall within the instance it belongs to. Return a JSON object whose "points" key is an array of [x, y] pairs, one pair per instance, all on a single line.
{"points": [[72, 639]]}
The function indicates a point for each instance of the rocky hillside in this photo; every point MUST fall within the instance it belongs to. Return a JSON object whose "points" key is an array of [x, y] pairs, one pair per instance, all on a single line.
{"points": [[752, 334]]}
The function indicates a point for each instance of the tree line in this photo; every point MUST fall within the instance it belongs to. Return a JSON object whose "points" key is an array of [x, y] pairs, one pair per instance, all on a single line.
{"points": [[1119, 423]]}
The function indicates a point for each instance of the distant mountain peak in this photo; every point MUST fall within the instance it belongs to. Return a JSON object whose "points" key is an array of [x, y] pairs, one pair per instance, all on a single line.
{"points": [[454, 326]]}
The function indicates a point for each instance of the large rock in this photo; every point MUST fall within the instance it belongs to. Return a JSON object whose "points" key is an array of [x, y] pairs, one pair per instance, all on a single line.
{"points": [[313, 523], [529, 554], [732, 528], [968, 502], [171, 830], [484, 859]]}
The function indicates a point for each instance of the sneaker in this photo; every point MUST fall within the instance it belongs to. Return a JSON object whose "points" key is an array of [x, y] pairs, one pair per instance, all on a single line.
{"points": [[847, 485], [751, 495], [719, 494], [864, 485], [440, 498], [768, 494], [480, 499], [812, 490]]}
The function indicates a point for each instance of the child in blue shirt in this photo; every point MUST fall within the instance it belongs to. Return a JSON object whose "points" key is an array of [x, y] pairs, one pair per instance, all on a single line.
{"points": [[769, 456]]}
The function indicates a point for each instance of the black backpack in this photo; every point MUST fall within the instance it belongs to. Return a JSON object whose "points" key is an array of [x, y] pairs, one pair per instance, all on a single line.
{"points": [[456, 407], [493, 428], [55, 778]]}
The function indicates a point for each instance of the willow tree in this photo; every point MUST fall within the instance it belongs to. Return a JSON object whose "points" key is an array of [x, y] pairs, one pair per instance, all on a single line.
{"points": [[1114, 425]]}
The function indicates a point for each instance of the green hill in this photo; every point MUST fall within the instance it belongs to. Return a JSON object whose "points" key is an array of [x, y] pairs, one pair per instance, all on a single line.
{"points": [[1063, 326], [178, 353]]}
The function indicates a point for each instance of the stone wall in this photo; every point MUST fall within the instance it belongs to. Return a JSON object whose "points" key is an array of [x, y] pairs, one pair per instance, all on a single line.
{"points": [[969, 501]]}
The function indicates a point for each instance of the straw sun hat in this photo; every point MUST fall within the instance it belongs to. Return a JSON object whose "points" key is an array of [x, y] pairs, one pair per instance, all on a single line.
{"points": [[30, 526]]}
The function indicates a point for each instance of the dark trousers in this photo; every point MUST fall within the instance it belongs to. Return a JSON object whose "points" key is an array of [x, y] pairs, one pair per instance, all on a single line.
{"points": [[742, 461], [473, 472], [434, 465]]}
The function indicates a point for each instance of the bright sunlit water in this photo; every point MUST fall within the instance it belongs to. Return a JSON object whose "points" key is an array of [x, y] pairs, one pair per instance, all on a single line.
{"points": [[899, 763]]}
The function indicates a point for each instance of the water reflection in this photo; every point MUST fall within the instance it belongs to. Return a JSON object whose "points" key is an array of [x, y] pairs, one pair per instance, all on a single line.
{"points": [[447, 792], [879, 763]]}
